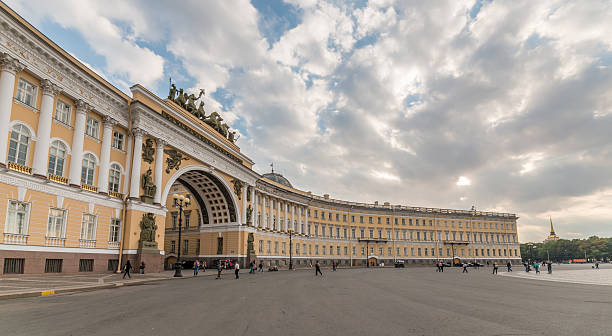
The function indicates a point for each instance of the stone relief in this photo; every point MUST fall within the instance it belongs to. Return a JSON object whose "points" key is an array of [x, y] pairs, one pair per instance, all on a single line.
{"points": [[148, 151], [174, 159], [148, 187], [147, 230], [249, 215], [238, 185]]}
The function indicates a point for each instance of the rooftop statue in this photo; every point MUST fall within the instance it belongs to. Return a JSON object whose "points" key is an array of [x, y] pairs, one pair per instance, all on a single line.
{"points": [[188, 102]]}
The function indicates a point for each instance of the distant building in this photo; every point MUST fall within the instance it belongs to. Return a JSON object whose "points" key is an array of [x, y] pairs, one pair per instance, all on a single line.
{"points": [[552, 236]]}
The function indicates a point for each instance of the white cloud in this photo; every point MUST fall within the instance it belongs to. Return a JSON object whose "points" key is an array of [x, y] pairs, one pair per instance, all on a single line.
{"points": [[518, 96]]}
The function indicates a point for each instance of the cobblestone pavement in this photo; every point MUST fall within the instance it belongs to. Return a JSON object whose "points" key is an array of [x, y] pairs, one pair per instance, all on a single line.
{"points": [[579, 274]]}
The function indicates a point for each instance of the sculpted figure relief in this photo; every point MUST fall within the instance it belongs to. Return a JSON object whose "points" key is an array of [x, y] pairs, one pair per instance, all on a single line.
{"points": [[174, 159], [148, 151], [148, 229], [238, 187], [148, 186]]}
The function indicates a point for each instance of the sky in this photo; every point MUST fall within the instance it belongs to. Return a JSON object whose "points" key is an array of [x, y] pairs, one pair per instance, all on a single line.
{"points": [[504, 105]]}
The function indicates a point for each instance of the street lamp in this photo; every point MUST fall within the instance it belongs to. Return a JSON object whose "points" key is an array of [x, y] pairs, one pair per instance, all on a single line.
{"points": [[530, 245], [179, 201], [290, 249]]}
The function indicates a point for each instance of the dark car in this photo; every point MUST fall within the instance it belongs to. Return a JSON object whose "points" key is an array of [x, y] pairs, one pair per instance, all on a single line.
{"points": [[399, 264], [475, 264]]}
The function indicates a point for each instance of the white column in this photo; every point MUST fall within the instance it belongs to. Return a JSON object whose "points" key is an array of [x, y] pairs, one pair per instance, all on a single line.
{"points": [[306, 219], [285, 219], [253, 206], [76, 159], [244, 203], [10, 67], [278, 221], [107, 139], [128, 165], [41, 151], [159, 165], [136, 162], [293, 224]]}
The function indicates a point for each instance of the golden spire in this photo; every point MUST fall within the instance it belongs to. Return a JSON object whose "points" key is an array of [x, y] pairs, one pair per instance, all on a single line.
{"points": [[552, 230]]}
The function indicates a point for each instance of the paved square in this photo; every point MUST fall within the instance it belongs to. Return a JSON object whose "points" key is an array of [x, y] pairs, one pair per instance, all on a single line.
{"points": [[411, 301]]}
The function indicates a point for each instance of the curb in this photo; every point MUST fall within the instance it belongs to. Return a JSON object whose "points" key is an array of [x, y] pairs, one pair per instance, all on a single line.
{"points": [[82, 288]]}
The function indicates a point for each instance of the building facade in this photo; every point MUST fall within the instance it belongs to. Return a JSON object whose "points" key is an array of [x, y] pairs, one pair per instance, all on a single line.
{"points": [[88, 175]]}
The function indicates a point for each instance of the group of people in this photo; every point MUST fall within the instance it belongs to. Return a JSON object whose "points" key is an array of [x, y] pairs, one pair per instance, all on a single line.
{"points": [[537, 265], [197, 265]]}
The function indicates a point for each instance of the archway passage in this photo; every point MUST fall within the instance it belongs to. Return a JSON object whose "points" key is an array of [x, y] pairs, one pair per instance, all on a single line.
{"points": [[211, 204]]}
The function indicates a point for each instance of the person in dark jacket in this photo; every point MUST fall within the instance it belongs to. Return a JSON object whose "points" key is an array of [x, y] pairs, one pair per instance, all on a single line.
{"points": [[318, 269], [509, 266], [126, 269]]}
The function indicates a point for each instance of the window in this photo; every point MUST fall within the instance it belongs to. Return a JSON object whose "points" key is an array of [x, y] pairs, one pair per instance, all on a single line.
{"points": [[62, 112], [360, 219], [353, 233], [353, 219], [362, 233], [344, 218], [88, 227], [88, 169], [185, 246], [276, 248], [57, 157], [172, 246], [93, 127], [114, 178], [13, 265], [56, 227], [118, 140], [17, 218], [174, 220], [370, 220], [18, 145], [86, 265], [331, 250], [363, 251], [187, 219], [26, 92], [324, 249], [371, 233], [113, 264], [261, 246], [53, 265], [114, 230]]}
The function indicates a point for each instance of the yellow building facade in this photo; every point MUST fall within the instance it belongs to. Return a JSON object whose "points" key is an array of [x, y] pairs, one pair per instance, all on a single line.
{"points": [[88, 175]]}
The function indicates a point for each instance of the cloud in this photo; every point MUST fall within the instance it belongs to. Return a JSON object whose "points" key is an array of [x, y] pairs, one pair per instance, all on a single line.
{"points": [[363, 100]]}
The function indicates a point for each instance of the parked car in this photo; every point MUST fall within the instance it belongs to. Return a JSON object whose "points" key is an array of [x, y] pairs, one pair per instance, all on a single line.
{"points": [[399, 264], [475, 264], [273, 268]]}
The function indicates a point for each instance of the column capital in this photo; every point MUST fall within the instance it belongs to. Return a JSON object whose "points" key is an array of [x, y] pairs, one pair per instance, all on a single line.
{"points": [[160, 142], [82, 107], [49, 88], [108, 121], [11, 64], [138, 132]]}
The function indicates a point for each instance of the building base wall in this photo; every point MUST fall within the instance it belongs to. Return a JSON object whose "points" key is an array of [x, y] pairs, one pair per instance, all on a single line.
{"points": [[34, 262]]}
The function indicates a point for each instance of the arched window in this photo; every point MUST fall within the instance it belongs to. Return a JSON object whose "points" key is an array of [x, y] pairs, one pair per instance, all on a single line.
{"points": [[114, 178], [18, 145], [88, 169], [57, 157]]}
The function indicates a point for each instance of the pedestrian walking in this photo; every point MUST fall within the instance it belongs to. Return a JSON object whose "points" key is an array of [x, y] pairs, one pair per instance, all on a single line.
{"points": [[549, 266], [126, 269], [509, 266], [203, 263], [318, 269], [597, 265], [537, 267], [196, 267], [237, 269], [219, 269], [464, 268], [441, 267], [261, 266], [142, 267], [334, 266], [495, 267]]}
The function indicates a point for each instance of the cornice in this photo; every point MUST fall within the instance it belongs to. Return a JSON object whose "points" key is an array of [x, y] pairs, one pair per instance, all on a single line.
{"points": [[47, 63], [155, 125]]}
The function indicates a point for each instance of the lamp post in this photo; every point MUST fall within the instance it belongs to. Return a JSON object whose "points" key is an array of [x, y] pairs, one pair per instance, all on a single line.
{"points": [[530, 245], [290, 249], [179, 201]]}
